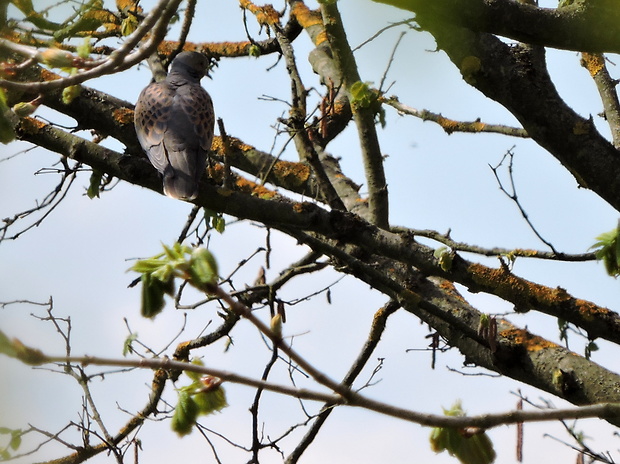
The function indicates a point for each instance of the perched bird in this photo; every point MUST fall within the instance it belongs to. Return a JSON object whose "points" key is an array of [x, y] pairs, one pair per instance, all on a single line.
{"points": [[174, 122]]}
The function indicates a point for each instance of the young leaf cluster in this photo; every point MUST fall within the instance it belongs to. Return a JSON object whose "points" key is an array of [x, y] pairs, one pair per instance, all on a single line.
{"points": [[15, 441], [607, 249], [196, 265], [363, 96], [468, 446], [205, 395]]}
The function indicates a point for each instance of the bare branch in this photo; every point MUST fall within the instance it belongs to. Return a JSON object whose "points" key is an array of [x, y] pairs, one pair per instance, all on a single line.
{"points": [[606, 86], [451, 125], [364, 117]]}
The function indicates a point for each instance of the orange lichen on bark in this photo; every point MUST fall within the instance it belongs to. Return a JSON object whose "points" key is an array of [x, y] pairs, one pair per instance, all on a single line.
{"points": [[449, 125], [230, 49], [47, 75], [123, 115], [524, 292], [31, 125], [589, 310], [128, 5], [305, 16], [265, 15], [241, 184], [451, 289], [593, 62], [478, 126], [234, 143], [292, 173], [247, 186], [182, 350], [527, 340], [308, 18], [524, 252], [299, 207]]}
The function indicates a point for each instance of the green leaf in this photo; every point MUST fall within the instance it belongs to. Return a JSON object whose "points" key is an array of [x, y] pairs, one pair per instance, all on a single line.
{"points": [[152, 296], [254, 51], [607, 249], [129, 25], [83, 50], [211, 401], [70, 93], [185, 414], [127, 348], [470, 446], [362, 95], [94, 184], [16, 439], [7, 120], [147, 265], [203, 269], [219, 224], [195, 376], [445, 256], [215, 219]]}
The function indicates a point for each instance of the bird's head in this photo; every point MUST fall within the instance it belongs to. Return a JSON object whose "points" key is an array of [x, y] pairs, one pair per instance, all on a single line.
{"points": [[192, 64]]}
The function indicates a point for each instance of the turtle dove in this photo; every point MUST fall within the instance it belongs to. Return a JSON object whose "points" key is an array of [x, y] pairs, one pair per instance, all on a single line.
{"points": [[174, 122]]}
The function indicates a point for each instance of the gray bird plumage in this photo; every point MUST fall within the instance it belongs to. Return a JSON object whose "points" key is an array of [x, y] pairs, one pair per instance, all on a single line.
{"points": [[174, 122]]}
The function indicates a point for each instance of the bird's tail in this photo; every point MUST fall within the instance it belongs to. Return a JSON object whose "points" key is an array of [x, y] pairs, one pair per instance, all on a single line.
{"points": [[180, 186]]}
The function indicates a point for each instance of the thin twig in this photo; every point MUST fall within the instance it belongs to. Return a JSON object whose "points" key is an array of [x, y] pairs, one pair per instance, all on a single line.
{"points": [[451, 125], [485, 421], [377, 329], [445, 239], [190, 11], [298, 117], [122, 58], [390, 61], [513, 195]]}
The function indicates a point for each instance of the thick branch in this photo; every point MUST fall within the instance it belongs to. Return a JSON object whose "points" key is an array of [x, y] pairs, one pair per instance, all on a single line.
{"points": [[516, 352], [516, 77], [589, 26]]}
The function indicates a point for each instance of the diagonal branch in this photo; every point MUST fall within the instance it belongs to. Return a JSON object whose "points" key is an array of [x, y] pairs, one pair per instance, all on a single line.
{"points": [[377, 329], [364, 117], [606, 86]]}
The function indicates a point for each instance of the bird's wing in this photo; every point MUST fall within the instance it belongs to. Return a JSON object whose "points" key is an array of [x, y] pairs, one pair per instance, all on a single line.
{"points": [[152, 117], [193, 107]]}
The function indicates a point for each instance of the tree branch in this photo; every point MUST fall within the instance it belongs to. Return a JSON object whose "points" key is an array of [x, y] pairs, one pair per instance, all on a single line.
{"points": [[364, 117], [450, 125], [516, 77], [589, 26]]}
